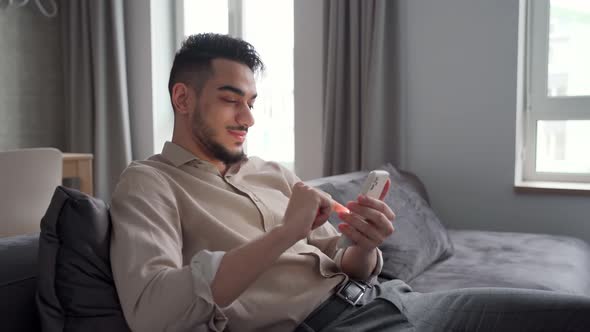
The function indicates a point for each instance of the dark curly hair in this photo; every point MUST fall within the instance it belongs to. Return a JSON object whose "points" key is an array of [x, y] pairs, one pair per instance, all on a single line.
{"points": [[192, 62]]}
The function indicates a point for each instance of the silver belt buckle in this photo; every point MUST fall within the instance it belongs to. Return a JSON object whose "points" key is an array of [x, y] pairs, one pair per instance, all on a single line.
{"points": [[351, 292]]}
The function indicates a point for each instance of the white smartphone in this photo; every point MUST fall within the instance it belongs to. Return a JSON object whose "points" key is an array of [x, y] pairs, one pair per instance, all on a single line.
{"points": [[372, 187]]}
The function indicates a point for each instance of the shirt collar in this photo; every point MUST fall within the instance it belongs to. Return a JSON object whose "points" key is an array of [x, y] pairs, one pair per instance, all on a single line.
{"points": [[177, 154]]}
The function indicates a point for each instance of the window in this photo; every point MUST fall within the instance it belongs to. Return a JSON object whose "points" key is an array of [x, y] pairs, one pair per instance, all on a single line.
{"points": [[553, 135], [268, 25]]}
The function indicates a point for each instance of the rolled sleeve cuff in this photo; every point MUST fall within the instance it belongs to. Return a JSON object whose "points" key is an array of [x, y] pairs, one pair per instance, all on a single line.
{"points": [[338, 257], [378, 267], [204, 266]]}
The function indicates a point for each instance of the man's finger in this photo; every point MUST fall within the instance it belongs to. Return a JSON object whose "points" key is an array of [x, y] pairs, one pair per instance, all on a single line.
{"points": [[377, 219], [319, 220], [377, 205], [356, 237], [363, 226], [385, 190], [339, 208]]}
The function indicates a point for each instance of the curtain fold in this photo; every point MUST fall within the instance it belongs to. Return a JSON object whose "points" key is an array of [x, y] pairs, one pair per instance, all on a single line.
{"points": [[97, 104], [361, 116]]}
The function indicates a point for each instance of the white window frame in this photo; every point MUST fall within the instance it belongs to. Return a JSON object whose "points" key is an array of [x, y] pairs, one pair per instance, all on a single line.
{"points": [[534, 105], [234, 19], [235, 29]]}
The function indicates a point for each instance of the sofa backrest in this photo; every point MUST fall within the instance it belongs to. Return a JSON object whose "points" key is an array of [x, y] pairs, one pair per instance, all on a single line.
{"points": [[28, 178], [18, 283]]}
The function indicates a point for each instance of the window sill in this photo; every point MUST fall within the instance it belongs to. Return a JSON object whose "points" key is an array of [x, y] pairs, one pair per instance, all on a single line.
{"points": [[568, 188]]}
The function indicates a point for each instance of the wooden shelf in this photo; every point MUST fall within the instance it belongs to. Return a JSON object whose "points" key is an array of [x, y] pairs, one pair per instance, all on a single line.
{"points": [[79, 165]]}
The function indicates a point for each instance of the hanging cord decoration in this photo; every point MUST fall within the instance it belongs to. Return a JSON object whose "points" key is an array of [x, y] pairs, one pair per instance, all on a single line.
{"points": [[44, 10], [50, 10]]}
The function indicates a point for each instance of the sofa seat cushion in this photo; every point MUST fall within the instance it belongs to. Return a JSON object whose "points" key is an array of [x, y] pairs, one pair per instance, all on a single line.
{"points": [[514, 260], [18, 283], [76, 290], [419, 239]]}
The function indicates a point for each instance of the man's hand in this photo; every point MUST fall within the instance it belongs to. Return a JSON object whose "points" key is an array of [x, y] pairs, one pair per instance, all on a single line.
{"points": [[368, 225], [370, 221], [307, 210]]}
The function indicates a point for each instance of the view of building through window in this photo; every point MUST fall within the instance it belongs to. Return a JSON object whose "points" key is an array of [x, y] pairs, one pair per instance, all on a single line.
{"points": [[268, 25], [569, 48], [206, 16], [564, 146]]}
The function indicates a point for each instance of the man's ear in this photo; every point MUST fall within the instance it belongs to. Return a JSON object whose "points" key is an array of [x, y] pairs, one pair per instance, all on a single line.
{"points": [[182, 98]]}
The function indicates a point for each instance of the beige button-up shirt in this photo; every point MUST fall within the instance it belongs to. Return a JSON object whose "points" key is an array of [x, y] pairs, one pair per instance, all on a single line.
{"points": [[174, 216]]}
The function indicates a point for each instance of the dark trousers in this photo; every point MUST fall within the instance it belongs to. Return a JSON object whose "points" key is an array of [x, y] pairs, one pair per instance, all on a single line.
{"points": [[393, 306]]}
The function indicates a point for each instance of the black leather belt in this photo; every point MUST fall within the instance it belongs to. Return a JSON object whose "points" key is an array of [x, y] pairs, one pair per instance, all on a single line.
{"points": [[347, 295]]}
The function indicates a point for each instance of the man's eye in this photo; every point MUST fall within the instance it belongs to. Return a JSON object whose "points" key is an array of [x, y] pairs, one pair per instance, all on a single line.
{"points": [[229, 100], [251, 106]]}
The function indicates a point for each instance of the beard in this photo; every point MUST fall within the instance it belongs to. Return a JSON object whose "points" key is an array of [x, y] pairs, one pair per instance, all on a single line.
{"points": [[206, 136]]}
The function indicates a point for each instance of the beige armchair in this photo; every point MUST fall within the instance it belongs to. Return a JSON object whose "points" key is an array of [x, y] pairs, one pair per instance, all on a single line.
{"points": [[28, 178]]}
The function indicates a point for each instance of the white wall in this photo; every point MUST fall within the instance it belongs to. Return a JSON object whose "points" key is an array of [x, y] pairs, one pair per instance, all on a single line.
{"points": [[461, 60], [458, 62]]}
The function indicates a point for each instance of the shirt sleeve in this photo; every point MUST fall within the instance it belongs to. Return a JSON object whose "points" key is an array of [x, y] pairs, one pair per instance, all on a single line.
{"points": [[156, 291], [325, 238], [204, 266]]}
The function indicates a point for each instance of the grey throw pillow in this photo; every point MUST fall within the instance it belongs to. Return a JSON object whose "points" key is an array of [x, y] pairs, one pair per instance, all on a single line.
{"points": [[419, 240]]}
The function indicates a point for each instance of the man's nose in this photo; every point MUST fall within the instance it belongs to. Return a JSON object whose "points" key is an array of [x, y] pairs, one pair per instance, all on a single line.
{"points": [[244, 116]]}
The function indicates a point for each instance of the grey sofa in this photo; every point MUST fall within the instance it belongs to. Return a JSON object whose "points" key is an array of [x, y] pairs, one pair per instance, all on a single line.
{"points": [[63, 279], [481, 258]]}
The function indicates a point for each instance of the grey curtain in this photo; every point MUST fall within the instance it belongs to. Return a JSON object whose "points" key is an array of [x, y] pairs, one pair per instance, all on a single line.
{"points": [[97, 105], [361, 113]]}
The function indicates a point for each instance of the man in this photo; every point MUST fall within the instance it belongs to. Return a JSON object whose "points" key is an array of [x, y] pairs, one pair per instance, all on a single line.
{"points": [[205, 238]]}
